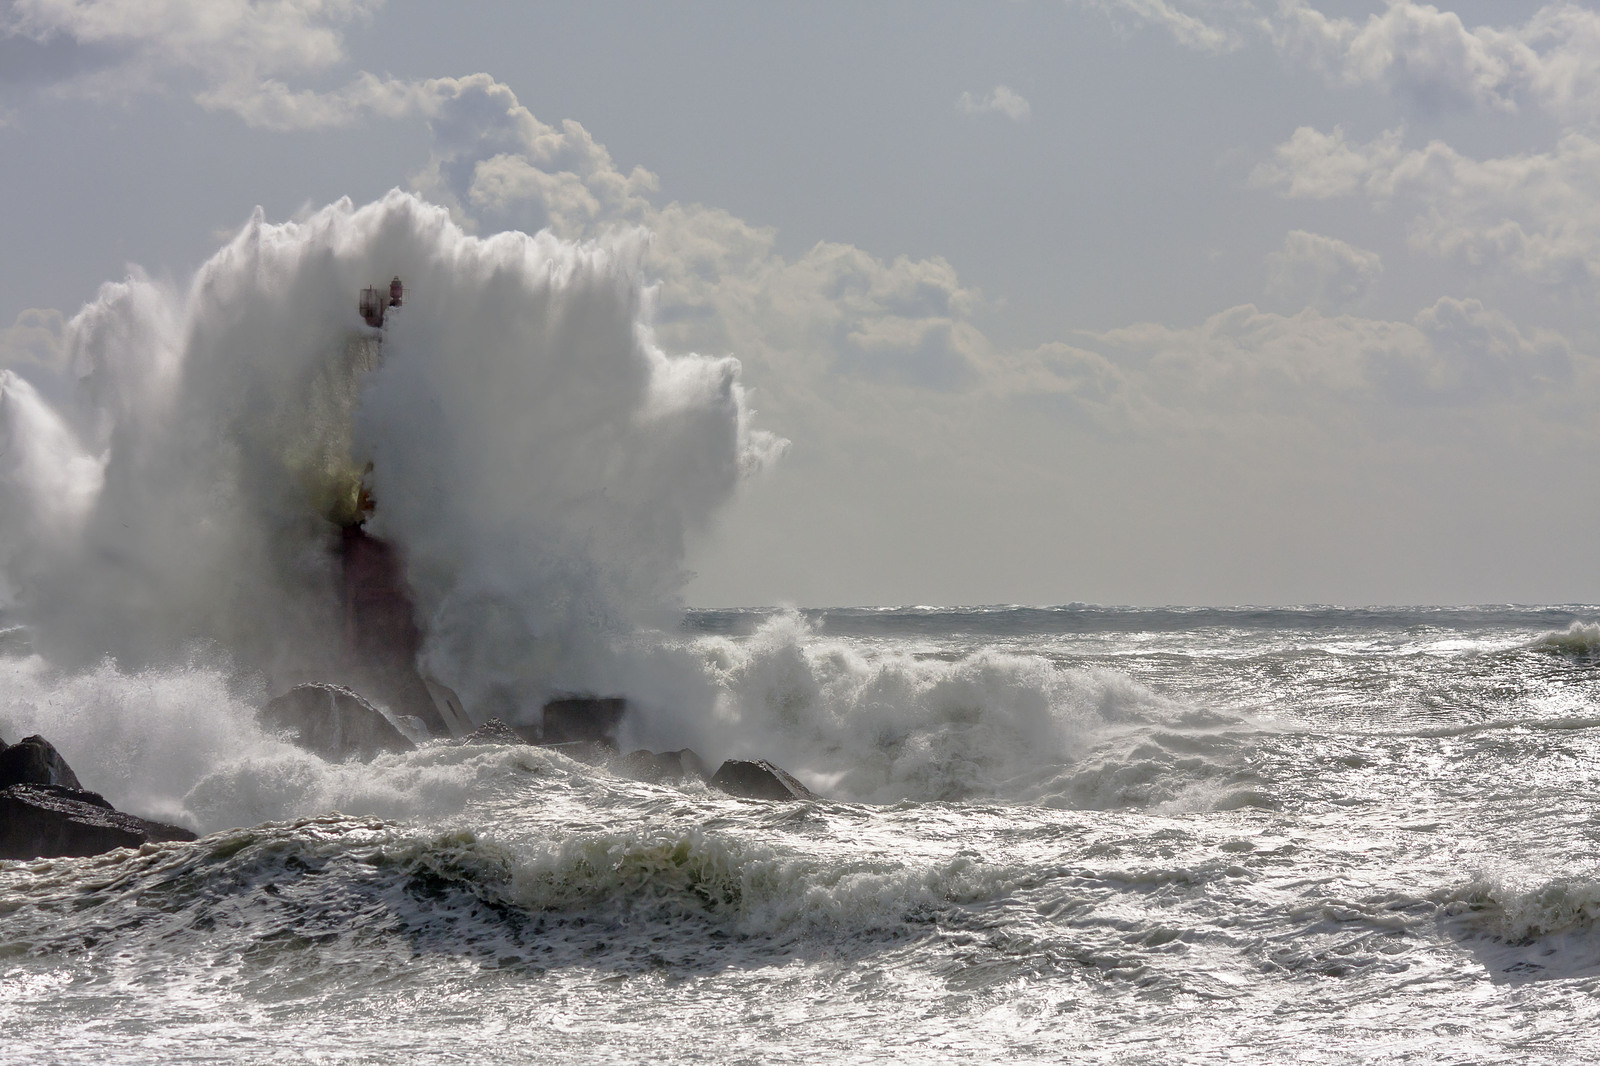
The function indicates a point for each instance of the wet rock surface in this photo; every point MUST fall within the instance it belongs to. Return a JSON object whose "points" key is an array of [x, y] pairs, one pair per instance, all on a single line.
{"points": [[35, 761], [46, 813], [571, 719], [661, 768], [333, 721], [759, 780], [51, 821]]}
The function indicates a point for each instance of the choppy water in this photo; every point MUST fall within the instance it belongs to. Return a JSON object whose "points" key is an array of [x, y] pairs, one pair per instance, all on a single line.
{"points": [[1078, 834]]}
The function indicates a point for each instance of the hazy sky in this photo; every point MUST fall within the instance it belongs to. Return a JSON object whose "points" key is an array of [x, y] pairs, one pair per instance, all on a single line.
{"points": [[1128, 301]]}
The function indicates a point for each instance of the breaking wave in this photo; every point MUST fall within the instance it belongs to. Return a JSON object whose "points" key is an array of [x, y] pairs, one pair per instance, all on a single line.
{"points": [[1523, 910], [1580, 640], [890, 725], [183, 744], [337, 880]]}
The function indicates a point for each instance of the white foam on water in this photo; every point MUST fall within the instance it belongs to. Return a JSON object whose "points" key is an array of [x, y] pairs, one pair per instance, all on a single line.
{"points": [[885, 725], [1580, 640]]}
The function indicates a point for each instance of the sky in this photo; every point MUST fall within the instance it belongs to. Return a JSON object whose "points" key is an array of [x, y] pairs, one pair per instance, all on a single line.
{"points": [[1112, 301]]}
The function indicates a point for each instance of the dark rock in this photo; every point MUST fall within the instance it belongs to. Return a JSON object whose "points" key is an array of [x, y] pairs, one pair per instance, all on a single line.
{"points": [[494, 731], [381, 635], [759, 780], [334, 722], [582, 718], [661, 768], [35, 761], [51, 821]]}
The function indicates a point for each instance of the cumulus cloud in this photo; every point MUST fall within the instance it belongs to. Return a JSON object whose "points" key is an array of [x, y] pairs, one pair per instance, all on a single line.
{"points": [[1535, 214], [498, 166], [1245, 369], [234, 50], [1322, 272], [1319, 166], [835, 309], [1426, 55], [1000, 100], [1431, 56]]}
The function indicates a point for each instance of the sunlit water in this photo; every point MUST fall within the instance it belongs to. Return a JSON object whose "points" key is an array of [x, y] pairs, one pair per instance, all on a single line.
{"points": [[1082, 834]]}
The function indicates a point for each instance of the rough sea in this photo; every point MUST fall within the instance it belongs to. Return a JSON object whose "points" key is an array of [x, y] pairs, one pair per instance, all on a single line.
{"points": [[1075, 834]]}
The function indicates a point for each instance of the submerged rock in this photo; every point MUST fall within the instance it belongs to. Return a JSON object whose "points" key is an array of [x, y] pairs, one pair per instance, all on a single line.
{"points": [[661, 768], [52, 821], [571, 719], [759, 780], [333, 721], [35, 761]]}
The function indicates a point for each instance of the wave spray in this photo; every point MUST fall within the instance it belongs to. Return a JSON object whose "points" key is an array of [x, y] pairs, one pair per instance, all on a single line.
{"points": [[538, 462]]}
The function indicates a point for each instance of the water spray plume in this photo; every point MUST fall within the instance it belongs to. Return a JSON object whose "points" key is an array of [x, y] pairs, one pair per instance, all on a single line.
{"points": [[538, 461]]}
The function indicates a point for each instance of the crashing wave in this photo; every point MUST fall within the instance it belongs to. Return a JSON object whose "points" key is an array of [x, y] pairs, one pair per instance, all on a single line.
{"points": [[1580, 640]]}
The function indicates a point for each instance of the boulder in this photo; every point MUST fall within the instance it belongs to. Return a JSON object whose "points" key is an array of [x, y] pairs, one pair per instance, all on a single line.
{"points": [[35, 761], [569, 719], [759, 780], [333, 721], [661, 768], [51, 821]]}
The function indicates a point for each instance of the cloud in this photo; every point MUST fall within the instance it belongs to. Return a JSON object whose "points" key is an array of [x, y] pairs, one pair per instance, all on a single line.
{"points": [[233, 49], [1432, 57], [498, 166], [999, 100], [1535, 214], [1413, 48], [1319, 166], [1245, 371], [1190, 30], [35, 339], [1425, 55], [1322, 272]]}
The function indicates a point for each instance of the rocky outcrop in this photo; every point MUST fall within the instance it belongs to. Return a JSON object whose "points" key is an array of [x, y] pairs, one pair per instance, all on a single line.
{"points": [[661, 768], [35, 761], [46, 813], [571, 719], [334, 722], [51, 821], [759, 780]]}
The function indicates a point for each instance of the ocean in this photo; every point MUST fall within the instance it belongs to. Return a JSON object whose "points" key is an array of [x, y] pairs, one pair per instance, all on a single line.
{"points": [[1074, 834]]}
